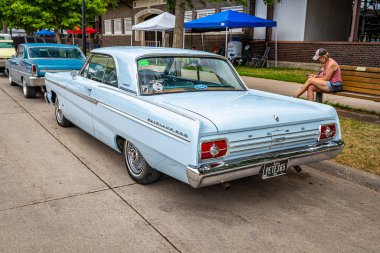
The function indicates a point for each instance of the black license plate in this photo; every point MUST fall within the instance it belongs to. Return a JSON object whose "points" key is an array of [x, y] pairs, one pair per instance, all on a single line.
{"points": [[274, 169]]}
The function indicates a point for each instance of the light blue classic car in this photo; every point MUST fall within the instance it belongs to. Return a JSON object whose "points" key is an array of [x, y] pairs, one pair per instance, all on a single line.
{"points": [[189, 115], [32, 60]]}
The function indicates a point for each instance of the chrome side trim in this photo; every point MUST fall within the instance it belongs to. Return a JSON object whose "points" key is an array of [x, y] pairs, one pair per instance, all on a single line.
{"points": [[147, 124], [90, 99], [224, 171]]}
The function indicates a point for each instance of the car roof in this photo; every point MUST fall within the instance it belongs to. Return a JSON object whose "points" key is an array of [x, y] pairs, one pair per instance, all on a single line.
{"points": [[47, 45], [137, 52]]}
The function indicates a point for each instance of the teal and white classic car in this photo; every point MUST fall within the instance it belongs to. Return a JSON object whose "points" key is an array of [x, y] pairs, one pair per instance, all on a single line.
{"points": [[189, 115], [32, 60]]}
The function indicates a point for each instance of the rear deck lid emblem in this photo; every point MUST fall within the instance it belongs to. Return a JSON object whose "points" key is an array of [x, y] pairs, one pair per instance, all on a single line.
{"points": [[276, 118]]}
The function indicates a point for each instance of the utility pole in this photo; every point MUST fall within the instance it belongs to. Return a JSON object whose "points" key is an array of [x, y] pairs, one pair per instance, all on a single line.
{"points": [[84, 47]]}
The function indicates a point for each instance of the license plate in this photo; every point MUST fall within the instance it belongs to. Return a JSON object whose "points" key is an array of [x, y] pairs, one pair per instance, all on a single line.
{"points": [[274, 169]]}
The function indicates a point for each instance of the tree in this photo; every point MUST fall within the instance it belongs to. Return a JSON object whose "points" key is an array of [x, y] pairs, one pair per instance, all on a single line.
{"points": [[180, 5], [32, 15]]}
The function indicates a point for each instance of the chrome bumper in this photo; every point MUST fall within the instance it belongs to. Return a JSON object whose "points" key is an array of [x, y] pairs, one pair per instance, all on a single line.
{"points": [[36, 81], [219, 172]]}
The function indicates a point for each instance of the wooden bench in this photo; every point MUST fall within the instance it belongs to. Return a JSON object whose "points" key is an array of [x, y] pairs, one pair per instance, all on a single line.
{"points": [[358, 82]]}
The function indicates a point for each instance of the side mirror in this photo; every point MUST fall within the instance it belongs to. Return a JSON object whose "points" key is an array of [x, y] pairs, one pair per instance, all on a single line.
{"points": [[74, 73]]}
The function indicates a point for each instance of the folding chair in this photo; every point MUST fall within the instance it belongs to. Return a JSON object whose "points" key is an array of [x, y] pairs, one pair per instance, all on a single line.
{"points": [[259, 61]]}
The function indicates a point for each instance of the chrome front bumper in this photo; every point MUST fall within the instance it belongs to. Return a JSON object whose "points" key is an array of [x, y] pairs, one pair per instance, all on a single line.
{"points": [[219, 172], [36, 81]]}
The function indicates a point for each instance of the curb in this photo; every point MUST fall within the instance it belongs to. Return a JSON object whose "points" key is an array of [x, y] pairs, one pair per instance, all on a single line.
{"points": [[353, 175]]}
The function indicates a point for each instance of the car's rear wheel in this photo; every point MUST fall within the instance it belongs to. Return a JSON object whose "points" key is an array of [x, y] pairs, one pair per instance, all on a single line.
{"points": [[137, 166], [60, 118], [11, 83], [29, 92]]}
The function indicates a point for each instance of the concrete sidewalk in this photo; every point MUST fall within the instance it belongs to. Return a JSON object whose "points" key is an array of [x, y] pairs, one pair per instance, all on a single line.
{"points": [[288, 88]]}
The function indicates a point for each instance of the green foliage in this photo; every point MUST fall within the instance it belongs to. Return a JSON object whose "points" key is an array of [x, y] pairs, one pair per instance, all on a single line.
{"points": [[171, 3], [271, 2], [31, 15]]}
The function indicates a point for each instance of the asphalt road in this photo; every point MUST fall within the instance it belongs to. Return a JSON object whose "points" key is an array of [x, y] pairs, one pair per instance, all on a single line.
{"points": [[61, 190]]}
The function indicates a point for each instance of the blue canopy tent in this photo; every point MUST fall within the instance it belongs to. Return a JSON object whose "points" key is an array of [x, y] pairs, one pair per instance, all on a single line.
{"points": [[223, 21], [45, 33]]}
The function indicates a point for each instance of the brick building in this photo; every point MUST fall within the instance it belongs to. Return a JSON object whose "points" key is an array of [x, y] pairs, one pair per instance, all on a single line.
{"points": [[303, 26]]}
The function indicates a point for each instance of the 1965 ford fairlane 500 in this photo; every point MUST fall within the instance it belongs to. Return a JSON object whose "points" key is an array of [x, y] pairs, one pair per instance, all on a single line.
{"points": [[33, 60], [189, 115]]}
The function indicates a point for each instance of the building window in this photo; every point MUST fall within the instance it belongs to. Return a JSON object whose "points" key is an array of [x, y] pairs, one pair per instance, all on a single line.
{"points": [[205, 13], [234, 8], [117, 26], [128, 26], [107, 27], [188, 16]]}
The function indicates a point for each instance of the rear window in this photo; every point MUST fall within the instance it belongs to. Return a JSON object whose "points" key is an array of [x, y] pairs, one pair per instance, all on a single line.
{"points": [[6, 45], [55, 52]]}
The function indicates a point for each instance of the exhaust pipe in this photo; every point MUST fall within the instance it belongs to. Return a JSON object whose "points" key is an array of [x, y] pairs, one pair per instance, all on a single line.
{"points": [[226, 185], [298, 168]]}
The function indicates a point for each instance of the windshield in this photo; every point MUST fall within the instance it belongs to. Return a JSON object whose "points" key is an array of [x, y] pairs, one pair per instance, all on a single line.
{"points": [[185, 74], [6, 45], [55, 52]]}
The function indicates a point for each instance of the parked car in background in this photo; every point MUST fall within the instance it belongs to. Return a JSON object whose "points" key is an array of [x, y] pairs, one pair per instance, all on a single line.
{"points": [[6, 51], [33, 60], [5, 36], [188, 114]]}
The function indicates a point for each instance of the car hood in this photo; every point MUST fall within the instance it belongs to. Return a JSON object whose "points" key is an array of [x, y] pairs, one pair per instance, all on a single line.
{"points": [[7, 52], [246, 109]]}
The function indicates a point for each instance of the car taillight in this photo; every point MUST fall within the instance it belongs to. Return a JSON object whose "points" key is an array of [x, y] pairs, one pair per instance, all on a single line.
{"points": [[327, 131], [34, 70], [214, 149]]}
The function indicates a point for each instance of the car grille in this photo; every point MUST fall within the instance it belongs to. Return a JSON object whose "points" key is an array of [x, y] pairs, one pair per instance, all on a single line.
{"points": [[273, 140]]}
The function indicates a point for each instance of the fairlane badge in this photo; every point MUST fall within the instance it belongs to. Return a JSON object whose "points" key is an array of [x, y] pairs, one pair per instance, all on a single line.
{"points": [[168, 128]]}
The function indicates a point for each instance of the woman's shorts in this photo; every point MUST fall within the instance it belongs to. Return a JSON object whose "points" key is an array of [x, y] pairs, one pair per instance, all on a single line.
{"points": [[334, 87]]}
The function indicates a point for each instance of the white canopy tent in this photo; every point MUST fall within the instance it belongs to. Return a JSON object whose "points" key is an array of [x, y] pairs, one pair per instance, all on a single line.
{"points": [[163, 22]]}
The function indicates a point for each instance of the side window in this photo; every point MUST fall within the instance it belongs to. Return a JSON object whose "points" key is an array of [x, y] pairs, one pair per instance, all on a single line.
{"points": [[110, 77], [95, 68], [20, 52]]}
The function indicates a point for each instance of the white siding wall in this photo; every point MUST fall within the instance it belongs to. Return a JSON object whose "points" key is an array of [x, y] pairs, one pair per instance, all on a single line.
{"points": [[328, 20], [261, 12], [290, 16]]}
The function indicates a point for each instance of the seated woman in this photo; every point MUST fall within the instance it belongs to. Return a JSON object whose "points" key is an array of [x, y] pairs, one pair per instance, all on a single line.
{"points": [[329, 80]]}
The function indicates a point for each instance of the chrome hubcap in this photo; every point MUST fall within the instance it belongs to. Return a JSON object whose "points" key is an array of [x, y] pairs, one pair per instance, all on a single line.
{"points": [[24, 88], [134, 159], [10, 79], [58, 111]]}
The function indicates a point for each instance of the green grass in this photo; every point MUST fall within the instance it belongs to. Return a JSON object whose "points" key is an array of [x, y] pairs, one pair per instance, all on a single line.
{"points": [[281, 74], [362, 150]]}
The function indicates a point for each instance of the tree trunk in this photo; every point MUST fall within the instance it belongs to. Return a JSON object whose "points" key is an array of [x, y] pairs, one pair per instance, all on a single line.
{"points": [[179, 20], [5, 28], [58, 36]]}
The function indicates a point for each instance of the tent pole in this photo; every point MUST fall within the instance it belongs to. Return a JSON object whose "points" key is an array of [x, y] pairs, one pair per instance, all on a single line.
{"points": [[155, 37], [276, 49], [73, 40], [203, 45], [163, 38], [225, 46], [183, 39]]}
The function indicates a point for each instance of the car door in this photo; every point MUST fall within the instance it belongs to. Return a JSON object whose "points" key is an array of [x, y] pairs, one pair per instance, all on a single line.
{"points": [[79, 100], [14, 69], [107, 94]]}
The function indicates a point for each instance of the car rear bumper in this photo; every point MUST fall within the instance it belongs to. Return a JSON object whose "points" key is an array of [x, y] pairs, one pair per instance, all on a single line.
{"points": [[36, 81], [219, 172]]}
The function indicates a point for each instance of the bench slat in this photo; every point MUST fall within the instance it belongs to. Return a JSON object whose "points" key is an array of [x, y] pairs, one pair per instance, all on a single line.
{"points": [[356, 68], [346, 73], [370, 86], [360, 90], [359, 95], [363, 80]]}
